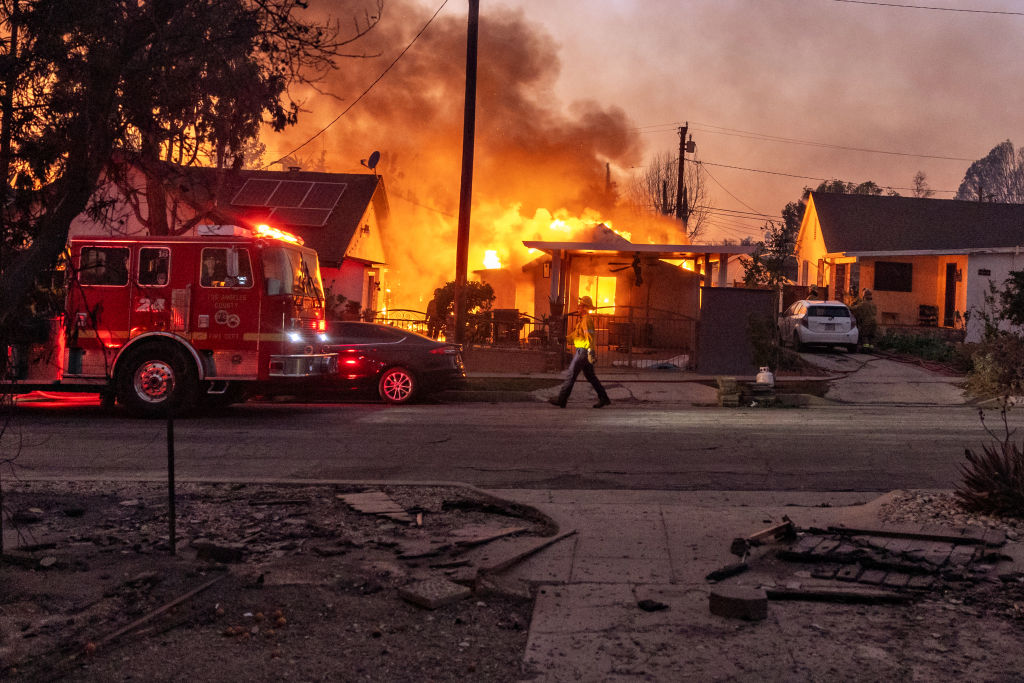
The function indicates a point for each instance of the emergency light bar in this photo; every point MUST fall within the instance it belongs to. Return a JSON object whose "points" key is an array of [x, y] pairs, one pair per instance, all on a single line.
{"points": [[206, 230], [277, 234]]}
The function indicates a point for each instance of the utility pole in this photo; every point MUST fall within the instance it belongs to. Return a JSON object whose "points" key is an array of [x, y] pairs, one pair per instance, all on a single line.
{"points": [[466, 192], [682, 201]]}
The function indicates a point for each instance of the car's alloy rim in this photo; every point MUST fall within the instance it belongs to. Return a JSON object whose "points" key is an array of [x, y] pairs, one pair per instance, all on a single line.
{"points": [[397, 386]]}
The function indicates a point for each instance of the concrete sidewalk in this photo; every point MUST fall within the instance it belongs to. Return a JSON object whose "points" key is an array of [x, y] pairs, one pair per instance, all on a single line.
{"points": [[631, 546], [850, 379]]}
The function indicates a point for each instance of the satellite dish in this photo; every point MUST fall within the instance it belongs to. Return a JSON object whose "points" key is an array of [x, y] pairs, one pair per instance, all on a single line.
{"points": [[371, 163]]}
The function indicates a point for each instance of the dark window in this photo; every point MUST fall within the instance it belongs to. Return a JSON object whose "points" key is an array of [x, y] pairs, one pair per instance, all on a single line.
{"points": [[828, 312], [154, 265], [226, 268], [103, 266], [361, 333], [891, 276]]}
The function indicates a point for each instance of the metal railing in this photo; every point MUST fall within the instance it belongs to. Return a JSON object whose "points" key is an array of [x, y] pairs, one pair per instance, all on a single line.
{"points": [[627, 338]]}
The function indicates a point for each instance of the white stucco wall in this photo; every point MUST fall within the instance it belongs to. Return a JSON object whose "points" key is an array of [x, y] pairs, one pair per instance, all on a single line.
{"points": [[999, 267]]}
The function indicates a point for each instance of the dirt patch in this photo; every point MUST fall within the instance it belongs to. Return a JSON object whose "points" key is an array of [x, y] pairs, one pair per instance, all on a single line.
{"points": [[268, 582]]}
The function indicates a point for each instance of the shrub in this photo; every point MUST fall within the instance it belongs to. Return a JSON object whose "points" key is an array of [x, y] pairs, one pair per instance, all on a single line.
{"points": [[927, 347], [993, 480]]}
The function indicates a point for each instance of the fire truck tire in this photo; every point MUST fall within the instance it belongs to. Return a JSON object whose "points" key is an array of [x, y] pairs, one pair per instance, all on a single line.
{"points": [[397, 385], [155, 379]]}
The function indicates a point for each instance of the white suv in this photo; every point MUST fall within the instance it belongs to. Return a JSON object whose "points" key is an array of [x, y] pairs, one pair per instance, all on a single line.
{"points": [[824, 323]]}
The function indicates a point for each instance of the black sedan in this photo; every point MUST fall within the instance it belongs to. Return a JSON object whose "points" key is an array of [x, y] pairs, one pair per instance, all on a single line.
{"points": [[398, 364]]}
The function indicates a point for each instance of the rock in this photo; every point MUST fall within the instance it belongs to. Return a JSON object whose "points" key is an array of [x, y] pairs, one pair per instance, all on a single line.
{"points": [[651, 605], [434, 593], [739, 602]]}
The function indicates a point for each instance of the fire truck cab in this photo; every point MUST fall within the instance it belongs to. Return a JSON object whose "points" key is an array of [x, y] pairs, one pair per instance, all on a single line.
{"points": [[172, 323]]}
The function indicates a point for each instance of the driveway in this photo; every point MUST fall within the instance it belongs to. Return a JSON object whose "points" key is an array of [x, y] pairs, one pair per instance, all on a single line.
{"points": [[876, 380]]}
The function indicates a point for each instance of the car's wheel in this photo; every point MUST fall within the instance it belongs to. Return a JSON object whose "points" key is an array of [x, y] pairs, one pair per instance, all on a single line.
{"points": [[156, 379], [797, 344], [397, 385]]}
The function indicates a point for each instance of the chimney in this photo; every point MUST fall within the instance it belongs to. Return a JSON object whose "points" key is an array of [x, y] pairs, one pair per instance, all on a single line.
{"points": [[294, 169]]}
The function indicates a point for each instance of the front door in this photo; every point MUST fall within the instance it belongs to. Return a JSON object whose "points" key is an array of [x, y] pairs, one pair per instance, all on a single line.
{"points": [[949, 305]]}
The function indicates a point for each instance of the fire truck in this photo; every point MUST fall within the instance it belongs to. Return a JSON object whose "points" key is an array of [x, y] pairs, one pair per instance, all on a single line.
{"points": [[169, 324]]}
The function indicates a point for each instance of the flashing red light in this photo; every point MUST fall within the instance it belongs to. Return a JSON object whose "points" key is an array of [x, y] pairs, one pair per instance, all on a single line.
{"points": [[322, 325]]}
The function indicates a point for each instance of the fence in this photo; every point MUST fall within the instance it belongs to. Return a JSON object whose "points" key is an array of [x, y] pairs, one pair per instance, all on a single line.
{"points": [[631, 337]]}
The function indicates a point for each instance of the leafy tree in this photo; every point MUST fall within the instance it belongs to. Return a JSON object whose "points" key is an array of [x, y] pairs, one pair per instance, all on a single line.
{"points": [[998, 177], [479, 297], [176, 80], [772, 260]]}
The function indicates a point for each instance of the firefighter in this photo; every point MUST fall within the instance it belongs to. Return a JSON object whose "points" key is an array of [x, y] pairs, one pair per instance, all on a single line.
{"points": [[584, 341]]}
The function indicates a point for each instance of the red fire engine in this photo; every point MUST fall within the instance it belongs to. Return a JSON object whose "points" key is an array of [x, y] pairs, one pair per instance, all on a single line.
{"points": [[171, 323]]}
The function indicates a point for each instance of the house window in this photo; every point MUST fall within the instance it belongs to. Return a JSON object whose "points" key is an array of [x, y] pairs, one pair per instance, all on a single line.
{"points": [[892, 276], [601, 290]]}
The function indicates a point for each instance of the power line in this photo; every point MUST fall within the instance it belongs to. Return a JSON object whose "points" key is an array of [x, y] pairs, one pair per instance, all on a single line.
{"points": [[934, 9], [753, 135], [804, 177], [368, 88], [728, 192]]}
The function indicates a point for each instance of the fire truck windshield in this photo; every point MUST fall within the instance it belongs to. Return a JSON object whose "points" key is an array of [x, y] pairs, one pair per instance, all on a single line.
{"points": [[292, 270]]}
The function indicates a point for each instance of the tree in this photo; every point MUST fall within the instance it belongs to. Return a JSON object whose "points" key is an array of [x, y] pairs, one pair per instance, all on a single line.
{"points": [[654, 190], [773, 258], [175, 80], [921, 189], [998, 177]]}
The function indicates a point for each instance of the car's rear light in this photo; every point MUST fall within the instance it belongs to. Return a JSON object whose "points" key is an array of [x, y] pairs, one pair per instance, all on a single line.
{"points": [[444, 350], [803, 321], [322, 326]]}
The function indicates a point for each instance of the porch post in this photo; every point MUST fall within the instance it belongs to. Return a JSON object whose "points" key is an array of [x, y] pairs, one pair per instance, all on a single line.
{"points": [[723, 268]]}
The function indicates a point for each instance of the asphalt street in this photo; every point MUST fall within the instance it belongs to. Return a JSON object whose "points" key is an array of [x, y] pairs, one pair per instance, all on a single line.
{"points": [[514, 445]]}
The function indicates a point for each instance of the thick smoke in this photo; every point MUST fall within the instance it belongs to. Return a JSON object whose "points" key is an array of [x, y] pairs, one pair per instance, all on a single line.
{"points": [[535, 158]]}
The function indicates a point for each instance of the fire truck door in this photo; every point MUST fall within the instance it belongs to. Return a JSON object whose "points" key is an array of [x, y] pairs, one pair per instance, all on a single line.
{"points": [[153, 303], [98, 304], [225, 312]]}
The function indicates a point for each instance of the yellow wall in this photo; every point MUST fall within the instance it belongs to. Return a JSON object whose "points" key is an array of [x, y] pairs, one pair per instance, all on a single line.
{"points": [[810, 248], [928, 288]]}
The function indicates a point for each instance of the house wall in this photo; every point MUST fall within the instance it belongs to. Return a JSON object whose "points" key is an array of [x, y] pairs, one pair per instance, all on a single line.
{"points": [[928, 287], [981, 271], [810, 248], [350, 281], [366, 242]]}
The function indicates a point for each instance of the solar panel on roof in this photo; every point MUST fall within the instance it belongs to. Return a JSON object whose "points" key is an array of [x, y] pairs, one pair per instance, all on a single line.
{"points": [[300, 216], [324, 196], [290, 193], [255, 192]]}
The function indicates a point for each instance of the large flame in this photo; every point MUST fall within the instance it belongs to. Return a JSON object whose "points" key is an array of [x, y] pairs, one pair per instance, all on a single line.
{"points": [[542, 171]]}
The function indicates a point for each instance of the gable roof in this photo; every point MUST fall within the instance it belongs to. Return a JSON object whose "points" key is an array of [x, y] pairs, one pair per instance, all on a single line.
{"points": [[324, 209], [870, 223]]}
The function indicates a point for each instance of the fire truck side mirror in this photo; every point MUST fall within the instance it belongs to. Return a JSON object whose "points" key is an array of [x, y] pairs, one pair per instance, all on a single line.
{"points": [[273, 286]]}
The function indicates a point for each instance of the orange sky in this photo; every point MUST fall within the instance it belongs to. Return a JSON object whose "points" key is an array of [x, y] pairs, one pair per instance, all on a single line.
{"points": [[811, 88]]}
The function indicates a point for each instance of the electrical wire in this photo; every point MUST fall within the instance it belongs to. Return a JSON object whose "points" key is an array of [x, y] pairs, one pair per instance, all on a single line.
{"points": [[365, 92], [934, 9]]}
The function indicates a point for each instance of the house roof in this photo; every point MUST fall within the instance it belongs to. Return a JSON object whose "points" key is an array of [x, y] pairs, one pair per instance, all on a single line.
{"points": [[862, 224], [324, 209], [659, 250]]}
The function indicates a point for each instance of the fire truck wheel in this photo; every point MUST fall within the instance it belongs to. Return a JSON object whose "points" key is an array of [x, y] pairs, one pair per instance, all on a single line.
{"points": [[154, 379], [397, 385]]}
